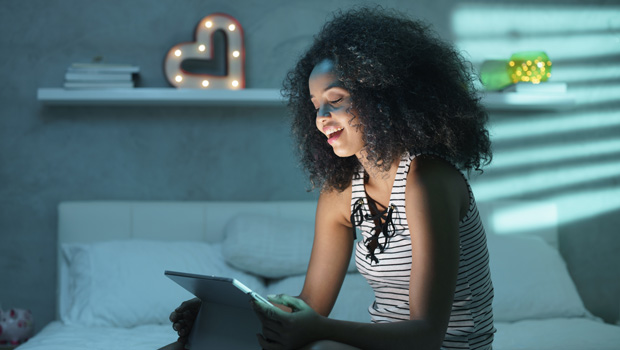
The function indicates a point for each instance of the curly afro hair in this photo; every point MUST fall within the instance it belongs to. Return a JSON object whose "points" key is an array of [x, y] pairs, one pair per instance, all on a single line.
{"points": [[412, 91]]}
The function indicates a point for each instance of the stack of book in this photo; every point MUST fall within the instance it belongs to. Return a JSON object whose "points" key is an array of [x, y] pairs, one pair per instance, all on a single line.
{"points": [[101, 76]]}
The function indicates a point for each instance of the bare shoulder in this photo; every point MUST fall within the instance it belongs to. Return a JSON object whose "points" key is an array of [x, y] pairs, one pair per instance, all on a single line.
{"points": [[433, 176], [336, 205], [428, 165]]}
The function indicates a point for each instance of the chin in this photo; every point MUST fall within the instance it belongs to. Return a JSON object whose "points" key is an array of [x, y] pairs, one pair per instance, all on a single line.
{"points": [[343, 154]]}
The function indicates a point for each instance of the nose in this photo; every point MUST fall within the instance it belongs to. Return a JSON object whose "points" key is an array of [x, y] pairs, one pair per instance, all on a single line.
{"points": [[324, 111]]}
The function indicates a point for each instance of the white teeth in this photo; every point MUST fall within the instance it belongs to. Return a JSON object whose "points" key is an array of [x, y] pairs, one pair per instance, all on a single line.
{"points": [[330, 132]]}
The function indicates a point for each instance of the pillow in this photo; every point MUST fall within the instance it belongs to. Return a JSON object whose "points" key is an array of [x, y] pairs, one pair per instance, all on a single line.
{"points": [[268, 246], [530, 280], [122, 283]]}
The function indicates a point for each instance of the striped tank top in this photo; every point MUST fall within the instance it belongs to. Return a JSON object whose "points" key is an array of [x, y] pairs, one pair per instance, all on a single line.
{"points": [[471, 318]]}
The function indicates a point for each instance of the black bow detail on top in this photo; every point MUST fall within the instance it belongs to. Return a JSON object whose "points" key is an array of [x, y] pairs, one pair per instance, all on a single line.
{"points": [[382, 220]]}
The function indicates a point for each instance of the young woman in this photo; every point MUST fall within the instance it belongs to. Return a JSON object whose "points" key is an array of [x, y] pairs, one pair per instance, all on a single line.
{"points": [[386, 119]]}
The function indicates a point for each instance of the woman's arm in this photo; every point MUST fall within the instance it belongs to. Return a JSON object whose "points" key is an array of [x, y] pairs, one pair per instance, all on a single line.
{"points": [[436, 199], [331, 251]]}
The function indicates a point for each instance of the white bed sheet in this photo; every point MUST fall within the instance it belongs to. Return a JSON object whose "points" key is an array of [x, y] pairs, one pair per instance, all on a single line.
{"points": [[557, 333], [57, 336], [549, 334]]}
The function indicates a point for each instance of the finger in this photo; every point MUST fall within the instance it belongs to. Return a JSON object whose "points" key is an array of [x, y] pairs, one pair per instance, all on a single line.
{"points": [[187, 322], [189, 314], [268, 344], [262, 342], [181, 307], [287, 300], [268, 322], [270, 312], [188, 305], [274, 331], [183, 332], [271, 335], [182, 327], [173, 316], [179, 324]]}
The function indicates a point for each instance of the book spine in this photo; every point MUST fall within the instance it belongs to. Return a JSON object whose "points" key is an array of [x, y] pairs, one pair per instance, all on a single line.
{"points": [[97, 85], [79, 76], [103, 69]]}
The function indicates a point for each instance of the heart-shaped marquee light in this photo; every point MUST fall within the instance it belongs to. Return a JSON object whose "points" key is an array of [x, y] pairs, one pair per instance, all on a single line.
{"points": [[202, 49]]}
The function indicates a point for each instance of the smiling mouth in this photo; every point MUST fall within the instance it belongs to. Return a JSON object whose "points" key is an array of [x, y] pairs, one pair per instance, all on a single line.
{"points": [[333, 135], [333, 131]]}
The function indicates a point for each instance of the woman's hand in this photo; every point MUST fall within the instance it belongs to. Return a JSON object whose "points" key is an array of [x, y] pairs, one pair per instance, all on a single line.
{"points": [[283, 330], [183, 317]]}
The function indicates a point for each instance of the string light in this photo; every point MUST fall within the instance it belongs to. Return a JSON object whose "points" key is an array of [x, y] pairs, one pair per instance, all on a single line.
{"points": [[529, 66], [197, 50]]}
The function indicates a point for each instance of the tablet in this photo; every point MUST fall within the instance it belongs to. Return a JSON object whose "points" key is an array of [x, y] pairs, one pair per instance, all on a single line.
{"points": [[226, 319], [215, 289]]}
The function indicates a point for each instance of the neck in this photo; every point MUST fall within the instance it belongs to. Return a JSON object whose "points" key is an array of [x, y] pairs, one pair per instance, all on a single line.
{"points": [[377, 176]]}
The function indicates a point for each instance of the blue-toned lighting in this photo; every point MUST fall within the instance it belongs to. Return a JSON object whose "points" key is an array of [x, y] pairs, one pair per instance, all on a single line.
{"points": [[558, 177], [566, 151]]}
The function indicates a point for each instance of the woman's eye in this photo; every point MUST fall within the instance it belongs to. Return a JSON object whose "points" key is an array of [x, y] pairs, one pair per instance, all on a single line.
{"points": [[336, 101]]}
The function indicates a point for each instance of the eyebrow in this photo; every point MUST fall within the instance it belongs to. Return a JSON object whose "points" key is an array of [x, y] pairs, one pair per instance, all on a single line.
{"points": [[335, 84]]}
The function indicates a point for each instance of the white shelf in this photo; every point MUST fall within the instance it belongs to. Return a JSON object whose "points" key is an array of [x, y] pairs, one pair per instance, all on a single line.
{"points": [[259, 97], [520, 101], [160, 97]]}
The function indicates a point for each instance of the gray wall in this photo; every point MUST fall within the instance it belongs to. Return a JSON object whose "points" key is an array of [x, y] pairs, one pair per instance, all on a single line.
{"points": [[51, 154]]}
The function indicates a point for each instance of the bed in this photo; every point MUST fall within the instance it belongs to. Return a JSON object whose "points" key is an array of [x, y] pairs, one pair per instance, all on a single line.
{"points": [[112, 292]]}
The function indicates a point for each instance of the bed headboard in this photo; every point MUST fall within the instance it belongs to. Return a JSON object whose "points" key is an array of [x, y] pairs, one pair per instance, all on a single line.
{"points": [[94, 221]]}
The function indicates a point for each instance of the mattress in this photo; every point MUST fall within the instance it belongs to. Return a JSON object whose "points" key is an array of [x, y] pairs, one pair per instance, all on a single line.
{"points": [[557, 333], [57, 336], [549, 334]]}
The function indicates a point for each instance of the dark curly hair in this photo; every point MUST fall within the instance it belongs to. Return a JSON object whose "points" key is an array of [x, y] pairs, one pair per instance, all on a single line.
{"points": [[412, 91]]}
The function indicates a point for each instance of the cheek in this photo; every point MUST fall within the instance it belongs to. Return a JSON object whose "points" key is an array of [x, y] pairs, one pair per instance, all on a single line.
{"points": [[317, 125], [353, 119]]}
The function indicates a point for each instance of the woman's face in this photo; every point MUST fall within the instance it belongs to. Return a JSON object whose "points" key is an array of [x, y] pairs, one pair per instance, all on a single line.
{"points": [[335, 117]]}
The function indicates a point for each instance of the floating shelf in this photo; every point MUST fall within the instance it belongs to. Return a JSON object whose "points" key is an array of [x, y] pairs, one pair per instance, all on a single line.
{"points": [[520, 101], [259, 97], [160, 97]]}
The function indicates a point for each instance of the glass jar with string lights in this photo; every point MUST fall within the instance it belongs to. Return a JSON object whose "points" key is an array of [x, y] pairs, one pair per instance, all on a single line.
{"points": [[529, 66]]}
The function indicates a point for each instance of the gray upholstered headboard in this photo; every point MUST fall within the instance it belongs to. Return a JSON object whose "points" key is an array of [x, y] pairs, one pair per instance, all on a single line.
{"points": [[93, 221]]}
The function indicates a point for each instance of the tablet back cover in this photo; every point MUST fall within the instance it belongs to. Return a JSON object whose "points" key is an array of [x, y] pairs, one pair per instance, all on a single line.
{"points": [[226, 319]]}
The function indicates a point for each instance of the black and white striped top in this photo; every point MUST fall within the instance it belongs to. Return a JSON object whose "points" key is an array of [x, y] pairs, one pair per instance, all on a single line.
{"points": [[471, 319]]}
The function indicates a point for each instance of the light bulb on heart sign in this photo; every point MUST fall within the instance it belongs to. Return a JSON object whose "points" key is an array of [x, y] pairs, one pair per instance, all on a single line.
{"points": [[204, 52]]}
